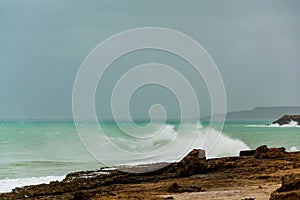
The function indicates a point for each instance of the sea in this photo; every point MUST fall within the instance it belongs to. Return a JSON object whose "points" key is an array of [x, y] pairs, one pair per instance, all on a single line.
{"points": [[34, 152]]}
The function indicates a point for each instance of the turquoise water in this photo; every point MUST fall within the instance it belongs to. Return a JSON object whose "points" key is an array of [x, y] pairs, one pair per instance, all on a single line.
{"points": [[255, 134], [30, 151], [39, 149]]}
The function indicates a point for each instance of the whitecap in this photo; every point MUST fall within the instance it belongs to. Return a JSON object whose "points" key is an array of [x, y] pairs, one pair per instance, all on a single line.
{"points": [[294, 149], [257, 125], [6, 185], [291, 124]]}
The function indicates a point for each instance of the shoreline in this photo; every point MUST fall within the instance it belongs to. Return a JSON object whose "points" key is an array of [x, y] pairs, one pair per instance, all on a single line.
{"points": [[255, 174]]}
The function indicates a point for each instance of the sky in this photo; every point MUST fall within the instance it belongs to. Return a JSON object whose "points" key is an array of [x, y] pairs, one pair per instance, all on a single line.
{"points": [[255, 45]]}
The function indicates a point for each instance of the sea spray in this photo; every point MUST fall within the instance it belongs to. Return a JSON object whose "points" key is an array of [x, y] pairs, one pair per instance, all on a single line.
{"points": [[293, 149], [223, 146]]}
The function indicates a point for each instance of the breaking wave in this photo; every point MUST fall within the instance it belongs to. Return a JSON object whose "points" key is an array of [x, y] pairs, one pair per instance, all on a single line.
{"points": [[8, 184], [293, 149], [224, 146], [292, 124]]}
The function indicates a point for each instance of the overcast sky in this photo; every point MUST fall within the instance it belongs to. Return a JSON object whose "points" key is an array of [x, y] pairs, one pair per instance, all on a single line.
{"points": [[255, 45]]}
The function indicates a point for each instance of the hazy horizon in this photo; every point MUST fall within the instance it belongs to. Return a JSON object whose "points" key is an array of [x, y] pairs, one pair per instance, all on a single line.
{"points": [[43, 43]]}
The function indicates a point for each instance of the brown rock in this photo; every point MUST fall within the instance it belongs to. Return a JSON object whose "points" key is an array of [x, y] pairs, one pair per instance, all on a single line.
{"points": [[290, 182], [289, 190], [191, 164], [263, 152], [175, 188], [80, 196]]}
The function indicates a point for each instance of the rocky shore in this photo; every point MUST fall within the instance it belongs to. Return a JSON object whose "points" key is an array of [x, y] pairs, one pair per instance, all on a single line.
{"points": [[264, 173]]}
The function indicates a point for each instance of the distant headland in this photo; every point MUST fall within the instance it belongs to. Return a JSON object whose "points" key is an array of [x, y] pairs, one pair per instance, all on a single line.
{"points": [[259, 113]]}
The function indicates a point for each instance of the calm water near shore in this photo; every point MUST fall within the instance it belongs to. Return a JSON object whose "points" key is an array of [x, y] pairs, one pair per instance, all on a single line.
{"points": [[36, 152]]}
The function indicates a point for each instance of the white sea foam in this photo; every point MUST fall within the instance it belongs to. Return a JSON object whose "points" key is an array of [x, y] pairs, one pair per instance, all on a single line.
{"points": [[109, 168], [214, 142], [257, 125], [276, 125], [294, 149], [291, 124], [224, 146], [6, 185]]}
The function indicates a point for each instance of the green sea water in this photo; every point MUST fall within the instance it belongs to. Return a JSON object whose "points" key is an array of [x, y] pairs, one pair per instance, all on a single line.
{"points": [[258, 133], [31, 150]]}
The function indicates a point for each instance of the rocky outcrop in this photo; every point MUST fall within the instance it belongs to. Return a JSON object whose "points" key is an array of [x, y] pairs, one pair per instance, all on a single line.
{"points": [[286, 119], [263, 152], [289, 190], [193, 163]]}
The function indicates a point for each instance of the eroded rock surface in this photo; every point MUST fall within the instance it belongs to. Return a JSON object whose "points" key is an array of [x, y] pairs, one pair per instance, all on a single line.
{"points": [[263, 152], [289, 190]]}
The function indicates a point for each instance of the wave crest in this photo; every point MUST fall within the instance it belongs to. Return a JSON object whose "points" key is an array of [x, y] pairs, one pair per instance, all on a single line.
{"points": [[8, 184], [291, 124]]}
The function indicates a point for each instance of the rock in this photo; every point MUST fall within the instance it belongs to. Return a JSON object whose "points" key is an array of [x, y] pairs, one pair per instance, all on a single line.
{"points": [[286, 119], [290, 182], [289, 190], [247, 153], [175, 188], [263, 152], [191, 164], [80, 196]]}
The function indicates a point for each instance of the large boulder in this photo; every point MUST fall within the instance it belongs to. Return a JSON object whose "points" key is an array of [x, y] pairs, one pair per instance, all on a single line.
{"points": [[193, 163]]}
